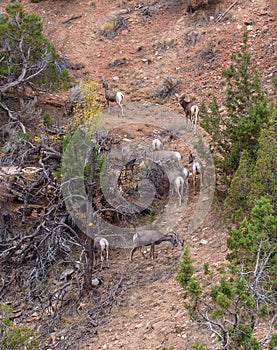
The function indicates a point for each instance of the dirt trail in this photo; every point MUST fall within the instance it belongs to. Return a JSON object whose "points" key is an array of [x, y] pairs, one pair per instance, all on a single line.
{"points": [[151, 313]]}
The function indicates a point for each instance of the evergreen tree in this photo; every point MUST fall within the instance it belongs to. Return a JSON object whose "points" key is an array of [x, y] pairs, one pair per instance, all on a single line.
{"points": [[264, 179], [236, 204], [26, 55], [246, 112], [243, 302], [261, 228]]}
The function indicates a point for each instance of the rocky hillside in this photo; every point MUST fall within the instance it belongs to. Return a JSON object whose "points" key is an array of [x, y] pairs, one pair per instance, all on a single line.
{"points": [[136, 45], [147, 50]]}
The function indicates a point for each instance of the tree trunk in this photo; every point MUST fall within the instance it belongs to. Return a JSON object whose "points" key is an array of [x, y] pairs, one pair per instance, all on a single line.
{"points": [[90, 241]]}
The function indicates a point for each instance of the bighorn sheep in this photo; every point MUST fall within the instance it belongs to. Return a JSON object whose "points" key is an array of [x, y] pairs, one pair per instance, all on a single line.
{"points": [[157, 145], [179, 187], [112, 96], [185, 174], [190, 108], [178, 178], [100, 247], [152, 237], [196, 169], [166, 157], [176, 158]]}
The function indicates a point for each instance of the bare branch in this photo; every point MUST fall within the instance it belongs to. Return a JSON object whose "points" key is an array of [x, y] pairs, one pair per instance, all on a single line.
{"points": [[271, 325], [40, 66], [13, 117], [225, 12]]}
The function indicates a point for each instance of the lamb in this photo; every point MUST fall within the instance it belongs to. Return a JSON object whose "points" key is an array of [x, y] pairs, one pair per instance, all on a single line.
{"points": [[196, 168], [190, 108], [112, 96], [152, 237], [100, 247], [157, 145]]}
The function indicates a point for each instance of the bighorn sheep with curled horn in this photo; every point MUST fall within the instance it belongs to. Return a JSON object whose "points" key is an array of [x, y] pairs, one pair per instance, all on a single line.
{"points": [[196, 169], [101, 248], [112, 96], [152, 238], [191, 109]]}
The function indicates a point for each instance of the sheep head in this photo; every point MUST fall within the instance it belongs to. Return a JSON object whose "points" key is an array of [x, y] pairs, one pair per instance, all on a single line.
{"points": [[181, 98], [191, 158]]}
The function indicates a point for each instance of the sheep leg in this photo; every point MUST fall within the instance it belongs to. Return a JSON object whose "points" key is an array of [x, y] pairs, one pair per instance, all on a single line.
{"points": [[177, 190], [187, 184], [94, 260], [201, 179], [141, 252], [107, 257], [194, 122], [172, 190], [191, 119], [102, 260], [194, 181], [132, 253], [195, 119], [120, 105], [181, 194], [152, 250], [180, 197]]}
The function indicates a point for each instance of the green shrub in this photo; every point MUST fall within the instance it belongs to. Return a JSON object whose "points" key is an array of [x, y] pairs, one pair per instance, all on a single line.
{"points": [[246, 112], [13, 336], [47, 120], [30, 57]]}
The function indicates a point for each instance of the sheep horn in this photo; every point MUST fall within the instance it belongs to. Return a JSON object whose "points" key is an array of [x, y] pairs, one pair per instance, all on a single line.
{"points": [[182, 96]]}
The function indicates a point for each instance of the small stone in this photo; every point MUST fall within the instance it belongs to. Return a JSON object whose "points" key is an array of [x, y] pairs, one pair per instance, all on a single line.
{"points": [[204, 241], [149, 325]]}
